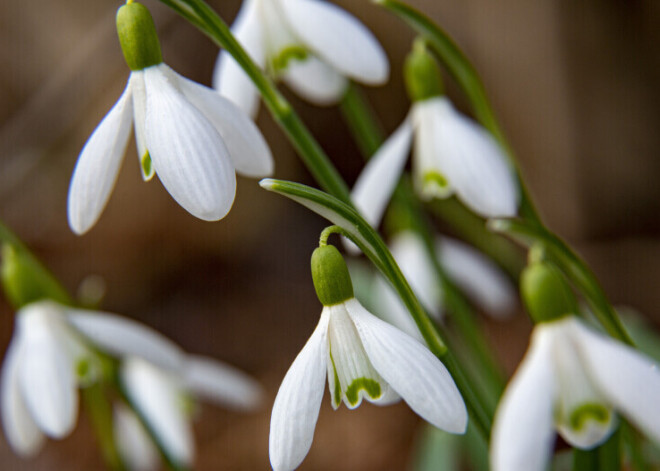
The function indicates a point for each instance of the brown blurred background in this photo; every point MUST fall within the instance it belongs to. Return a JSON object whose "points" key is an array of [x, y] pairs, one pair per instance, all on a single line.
{"points": [[575, 86]]}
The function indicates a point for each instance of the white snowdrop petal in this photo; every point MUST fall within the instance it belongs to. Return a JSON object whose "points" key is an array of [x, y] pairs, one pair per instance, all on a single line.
{"points": [[412, 371], [391, 309], [473, 162], [338, 38], [139, 118], [98, 166], [315, 81], [228, 77], [298, 401], [122, 336], [21, 431], [46, 378], [410, 254], [523, 428], [158, 398], [478, 276], [374, 187], [627, 378], [247, 147], [188, 154], [221, 383], [137, 450]]}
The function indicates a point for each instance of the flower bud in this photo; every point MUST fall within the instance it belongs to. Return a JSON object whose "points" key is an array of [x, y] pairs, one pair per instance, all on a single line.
{"points": [[137, 36], [331, 279], [545, 292], [422, 74], [25, 280]]}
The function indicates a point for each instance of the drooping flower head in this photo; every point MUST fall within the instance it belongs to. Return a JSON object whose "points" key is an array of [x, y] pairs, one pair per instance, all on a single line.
{"points": [[452, 155], [187, 134], [312, 45], [573, 380], [362, 357]]}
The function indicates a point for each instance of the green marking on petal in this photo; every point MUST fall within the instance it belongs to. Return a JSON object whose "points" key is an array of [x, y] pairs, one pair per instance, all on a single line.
{"points": [[371, 386], [435, 178], [146, 165], [586, 412], [336, 395], [83, 368], [281, 61]]}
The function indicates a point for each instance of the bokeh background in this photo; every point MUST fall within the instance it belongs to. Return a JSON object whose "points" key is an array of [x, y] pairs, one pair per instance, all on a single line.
{"points": [[575, 86]]}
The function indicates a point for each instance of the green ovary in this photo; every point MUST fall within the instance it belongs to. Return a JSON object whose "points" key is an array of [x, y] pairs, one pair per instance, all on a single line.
{"points": [[586, 412], [371, 386]]}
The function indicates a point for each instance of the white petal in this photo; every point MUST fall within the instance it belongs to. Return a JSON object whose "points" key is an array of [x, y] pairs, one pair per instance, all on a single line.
{"points": [[158, 398], [391, 309], [137, 450], [374, 187], [298, 401], [627, 378], [315, 81], [188, 154], [410, 254], [354, 377], [98, 166], [478, 276], [473, 162], [338, 38], [228, 77], [139, 118], [46, 374], [222, 383], [412, 371], [523, 430], [21, 432], [247, 147], [122, 336]]}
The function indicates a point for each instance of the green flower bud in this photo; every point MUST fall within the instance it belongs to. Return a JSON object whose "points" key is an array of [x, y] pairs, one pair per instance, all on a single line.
{"points": [[545, 292], [25, 280], [422, 74], [330, 274], [137, 36]]}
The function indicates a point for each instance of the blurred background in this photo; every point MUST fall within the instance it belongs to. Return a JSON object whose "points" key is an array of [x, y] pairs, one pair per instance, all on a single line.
{"points": [[574, 83]]}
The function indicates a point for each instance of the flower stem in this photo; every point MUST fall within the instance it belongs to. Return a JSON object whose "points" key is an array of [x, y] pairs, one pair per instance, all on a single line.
{"points": [[100, 414], [360, 117]]}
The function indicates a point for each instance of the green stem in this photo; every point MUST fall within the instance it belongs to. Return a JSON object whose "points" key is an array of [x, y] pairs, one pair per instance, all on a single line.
{"points": [[573, 267], [359, 115], [100, 414], [207, 20]]}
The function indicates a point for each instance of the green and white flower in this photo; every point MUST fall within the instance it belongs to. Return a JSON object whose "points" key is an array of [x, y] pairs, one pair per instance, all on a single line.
{"points": [[363, 357], [194, 139], [162, 397], [574, 380], [313, 46]]}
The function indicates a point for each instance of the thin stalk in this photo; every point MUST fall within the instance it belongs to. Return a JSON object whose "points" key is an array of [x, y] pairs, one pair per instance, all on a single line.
{"points": [[100, 414], [360, 117]]}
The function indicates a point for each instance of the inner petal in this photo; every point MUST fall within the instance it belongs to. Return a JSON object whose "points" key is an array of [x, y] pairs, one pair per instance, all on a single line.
{"points": [[139, 116], [351, 376], [583, 417], [281, 46]]}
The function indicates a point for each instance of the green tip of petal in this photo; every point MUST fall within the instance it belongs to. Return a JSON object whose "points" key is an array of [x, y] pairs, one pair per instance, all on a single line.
{"points": [[422, 74], [331, 278], [281, 61], [146, 165], [546, 293], [586, 413], [137, 36], [370, 386]]}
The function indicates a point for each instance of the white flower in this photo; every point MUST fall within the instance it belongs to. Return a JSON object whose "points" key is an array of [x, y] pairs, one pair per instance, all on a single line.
{"points": [[452, 155], [53, 351], [194, 139], [572, 379], [312, 45], [472, 272], [362, 357], [160, 397]]}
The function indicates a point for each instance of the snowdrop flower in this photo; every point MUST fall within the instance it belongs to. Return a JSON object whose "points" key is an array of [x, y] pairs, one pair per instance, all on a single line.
{"points": [[160, 397], [52, 352], [194, 139], [452, 154], [363, 357], [313, 46], [572, 379], [473, 272]]}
